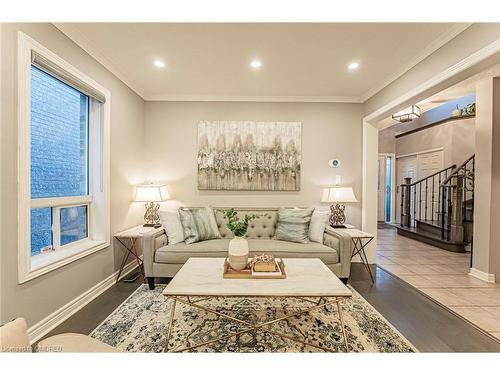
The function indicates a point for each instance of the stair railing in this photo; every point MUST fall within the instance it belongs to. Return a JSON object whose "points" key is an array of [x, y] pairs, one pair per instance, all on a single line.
{"points": [[457, 197], [421, 200]]}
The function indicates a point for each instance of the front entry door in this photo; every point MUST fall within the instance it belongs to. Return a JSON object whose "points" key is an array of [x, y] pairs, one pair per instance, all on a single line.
{"points": [[382, 189]]}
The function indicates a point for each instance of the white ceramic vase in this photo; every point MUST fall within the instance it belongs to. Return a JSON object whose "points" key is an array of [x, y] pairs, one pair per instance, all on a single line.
{"points": [[238, 253]]}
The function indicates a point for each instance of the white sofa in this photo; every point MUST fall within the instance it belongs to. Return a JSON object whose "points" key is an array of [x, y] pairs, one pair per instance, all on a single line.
{"points": [[162, 259]]}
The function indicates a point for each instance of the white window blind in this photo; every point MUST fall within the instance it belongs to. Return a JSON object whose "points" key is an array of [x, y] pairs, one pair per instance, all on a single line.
{"points": [[53, 69]]}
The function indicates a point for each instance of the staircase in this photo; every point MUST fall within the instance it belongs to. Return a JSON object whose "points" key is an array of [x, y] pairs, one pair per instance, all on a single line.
{"points": [[439, 209]]}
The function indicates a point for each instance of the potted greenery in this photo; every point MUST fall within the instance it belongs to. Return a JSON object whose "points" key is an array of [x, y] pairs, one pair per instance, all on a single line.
{"points": [[238, 246]]}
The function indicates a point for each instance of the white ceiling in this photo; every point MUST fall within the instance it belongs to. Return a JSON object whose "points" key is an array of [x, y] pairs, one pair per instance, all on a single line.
{"points": [[300, 61], [459, 90]]}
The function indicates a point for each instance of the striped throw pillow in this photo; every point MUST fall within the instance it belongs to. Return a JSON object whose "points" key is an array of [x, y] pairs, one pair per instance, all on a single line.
{"points": [[198, 224], [293, 224]]}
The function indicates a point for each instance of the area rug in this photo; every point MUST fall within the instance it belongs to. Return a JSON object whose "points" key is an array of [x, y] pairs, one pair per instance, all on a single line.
{"points": [[140, 325]]}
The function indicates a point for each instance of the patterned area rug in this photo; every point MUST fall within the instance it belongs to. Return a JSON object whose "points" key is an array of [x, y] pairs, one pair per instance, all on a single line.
{"points": [[140, 325]]}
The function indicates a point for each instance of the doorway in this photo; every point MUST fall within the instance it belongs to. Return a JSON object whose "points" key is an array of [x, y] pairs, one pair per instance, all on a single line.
{"points": [[385, 188]]}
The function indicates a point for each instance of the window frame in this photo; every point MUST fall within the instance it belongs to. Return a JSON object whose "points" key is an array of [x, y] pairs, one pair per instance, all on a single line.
{"points": [[97, 200]]}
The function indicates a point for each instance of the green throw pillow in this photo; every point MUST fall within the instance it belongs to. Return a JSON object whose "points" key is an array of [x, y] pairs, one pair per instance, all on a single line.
{"points": [[293, 224], [198, 224]]}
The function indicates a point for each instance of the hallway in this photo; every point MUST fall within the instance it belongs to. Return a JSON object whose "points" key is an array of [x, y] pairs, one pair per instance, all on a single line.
{"points": [[442, 276]]}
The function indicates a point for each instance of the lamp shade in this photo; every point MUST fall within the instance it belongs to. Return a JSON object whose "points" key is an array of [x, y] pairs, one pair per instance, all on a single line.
{"points": [[151, 193], [338, 194]]}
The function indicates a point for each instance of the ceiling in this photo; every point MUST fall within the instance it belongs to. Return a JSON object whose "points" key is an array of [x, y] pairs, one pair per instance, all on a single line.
{"points": [[300, 61], [459, 90]]}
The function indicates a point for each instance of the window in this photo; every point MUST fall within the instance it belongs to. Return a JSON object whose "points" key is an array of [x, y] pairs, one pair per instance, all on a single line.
{"points": [[59, 161], [63, 164]]}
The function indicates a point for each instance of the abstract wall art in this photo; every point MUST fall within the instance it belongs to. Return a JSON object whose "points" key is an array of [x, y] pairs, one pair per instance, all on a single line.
{"points": [[249, 155]]}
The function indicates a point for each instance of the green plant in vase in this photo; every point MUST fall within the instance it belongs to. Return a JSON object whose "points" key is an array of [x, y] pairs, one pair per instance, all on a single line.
{"points": [[237, 226], [238, 246]]}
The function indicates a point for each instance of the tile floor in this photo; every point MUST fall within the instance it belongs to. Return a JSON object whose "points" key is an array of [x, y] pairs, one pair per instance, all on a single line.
{"points": [[443, 276]]}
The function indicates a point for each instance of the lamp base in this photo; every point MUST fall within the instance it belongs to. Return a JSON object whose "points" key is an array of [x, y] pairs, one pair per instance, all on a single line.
{"points": [[151, 217], [152, 225], [338, 226], [337, 215]]}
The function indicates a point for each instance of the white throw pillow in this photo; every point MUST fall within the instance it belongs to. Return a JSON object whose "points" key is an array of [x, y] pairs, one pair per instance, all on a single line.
{"points": [[171, 222], [317, 226]]}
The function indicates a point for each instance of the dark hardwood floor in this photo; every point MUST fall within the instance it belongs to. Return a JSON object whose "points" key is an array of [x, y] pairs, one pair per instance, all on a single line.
{"points": [[430, 327]]}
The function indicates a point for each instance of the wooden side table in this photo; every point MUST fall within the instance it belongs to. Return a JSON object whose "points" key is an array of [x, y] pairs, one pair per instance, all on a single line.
{"points": [[129, 239], [360, 240]]}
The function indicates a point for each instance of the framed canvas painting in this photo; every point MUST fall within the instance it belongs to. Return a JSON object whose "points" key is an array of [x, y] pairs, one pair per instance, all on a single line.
{"points": [[248, 155]]}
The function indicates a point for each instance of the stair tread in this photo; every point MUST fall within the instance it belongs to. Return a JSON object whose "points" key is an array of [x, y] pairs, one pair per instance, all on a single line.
{"points": [[434, 223], [428, 235]]}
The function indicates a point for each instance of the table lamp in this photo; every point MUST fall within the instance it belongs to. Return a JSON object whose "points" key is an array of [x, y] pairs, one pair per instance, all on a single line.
{"points": [[151, 194], [338, 196]]}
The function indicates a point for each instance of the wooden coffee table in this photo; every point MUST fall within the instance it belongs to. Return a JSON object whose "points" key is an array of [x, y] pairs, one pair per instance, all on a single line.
{"points": [[307, 279]]}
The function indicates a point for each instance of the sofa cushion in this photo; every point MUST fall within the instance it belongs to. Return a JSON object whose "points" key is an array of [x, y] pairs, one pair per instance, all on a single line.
{"points": [[198, 223], [262, 227], [171, 222], [181, 252], [14, 337], [293, 224]]}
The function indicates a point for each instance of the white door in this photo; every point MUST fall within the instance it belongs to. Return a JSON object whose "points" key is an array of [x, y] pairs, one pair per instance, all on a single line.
{"points": [[382, 187], [428, 164], [405, 167]]}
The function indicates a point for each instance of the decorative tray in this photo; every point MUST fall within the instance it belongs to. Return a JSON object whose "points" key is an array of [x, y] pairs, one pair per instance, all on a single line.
{"points": [[247, 273]]}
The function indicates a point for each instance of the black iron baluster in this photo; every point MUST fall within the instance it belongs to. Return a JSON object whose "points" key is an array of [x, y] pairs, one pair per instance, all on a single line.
{"points": [[439, 194], [426, 198], [463, 202], [420, 201], [415, 205], [449, 213], [473, 181], [432, 200], [443, 197], [402, 200]]}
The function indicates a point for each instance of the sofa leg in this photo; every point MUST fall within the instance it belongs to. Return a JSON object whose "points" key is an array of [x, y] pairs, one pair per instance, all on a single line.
{"points": [[344, 279], [151, 282]]}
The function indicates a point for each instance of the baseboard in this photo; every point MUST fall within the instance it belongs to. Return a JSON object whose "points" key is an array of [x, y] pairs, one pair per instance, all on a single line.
{"points": [[488, 277], [44, 326]]}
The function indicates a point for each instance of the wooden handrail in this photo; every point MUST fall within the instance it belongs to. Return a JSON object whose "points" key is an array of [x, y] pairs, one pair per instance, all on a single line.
{"points": [[455, 171], [430, 176]]}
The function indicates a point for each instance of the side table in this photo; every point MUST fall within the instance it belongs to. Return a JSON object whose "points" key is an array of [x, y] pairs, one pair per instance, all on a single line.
{"points": [[360, 240], [129, 239]]}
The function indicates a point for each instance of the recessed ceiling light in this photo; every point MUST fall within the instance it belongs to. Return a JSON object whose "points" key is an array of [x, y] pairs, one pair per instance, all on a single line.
{"points": [[353, 65], [256, 64], [159, 64]]}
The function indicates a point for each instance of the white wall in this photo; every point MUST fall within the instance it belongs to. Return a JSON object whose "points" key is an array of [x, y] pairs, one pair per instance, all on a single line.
{"points": [[328, 131], [455, 137], [387, 141], [486, 255], [473, 39], [40, 297]]}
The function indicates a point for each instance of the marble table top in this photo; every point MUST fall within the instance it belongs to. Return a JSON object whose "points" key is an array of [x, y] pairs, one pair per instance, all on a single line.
{"points": [[136, 232], [305, 278]]}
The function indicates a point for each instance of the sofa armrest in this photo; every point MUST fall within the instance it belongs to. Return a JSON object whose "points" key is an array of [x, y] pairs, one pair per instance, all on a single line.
{"points": [[345, 244], [152, 241]]}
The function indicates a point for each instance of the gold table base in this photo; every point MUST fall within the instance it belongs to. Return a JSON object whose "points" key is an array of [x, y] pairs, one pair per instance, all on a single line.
{"points": [[254, 327]]}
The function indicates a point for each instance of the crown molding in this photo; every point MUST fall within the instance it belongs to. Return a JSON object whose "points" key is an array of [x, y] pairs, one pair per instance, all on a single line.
{"points": [[264, 99], [74, 33], [429, 50], [469, 61]]}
